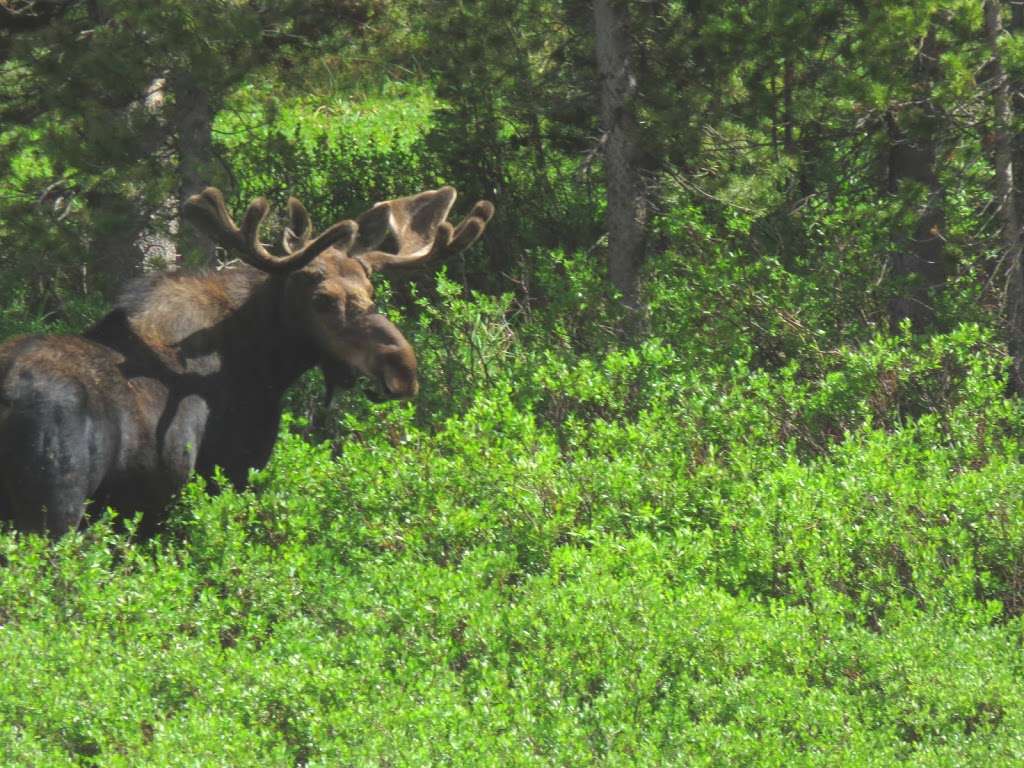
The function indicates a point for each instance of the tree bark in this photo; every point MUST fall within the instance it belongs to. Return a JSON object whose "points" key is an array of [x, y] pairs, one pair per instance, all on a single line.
{"points": [[1015, 27], [1006, 201], [787, 104], [115, 253], [627, 202], [912, 156], [193, 128]]}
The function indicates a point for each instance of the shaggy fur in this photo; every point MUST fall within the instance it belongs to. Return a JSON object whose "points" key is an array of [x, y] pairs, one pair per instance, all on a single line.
{"points": [[188, 371]]}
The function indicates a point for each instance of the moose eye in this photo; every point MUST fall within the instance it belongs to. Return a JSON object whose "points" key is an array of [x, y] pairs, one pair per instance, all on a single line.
{"points": [[323, 302]]}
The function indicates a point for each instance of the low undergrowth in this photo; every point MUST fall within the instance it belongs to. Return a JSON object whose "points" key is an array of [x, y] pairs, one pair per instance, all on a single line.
{"points": [[610, 560]]}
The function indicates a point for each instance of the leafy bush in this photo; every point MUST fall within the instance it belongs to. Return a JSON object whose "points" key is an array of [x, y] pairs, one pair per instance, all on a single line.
{"points": [[565, 559], [337, 158], [775, 531]]}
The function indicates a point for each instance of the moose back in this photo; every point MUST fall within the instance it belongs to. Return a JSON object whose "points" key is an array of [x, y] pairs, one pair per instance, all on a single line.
{"points": [[188, 371]]}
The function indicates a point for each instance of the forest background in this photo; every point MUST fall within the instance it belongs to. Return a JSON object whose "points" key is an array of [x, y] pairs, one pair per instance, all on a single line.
{"points": [[717, 459]]}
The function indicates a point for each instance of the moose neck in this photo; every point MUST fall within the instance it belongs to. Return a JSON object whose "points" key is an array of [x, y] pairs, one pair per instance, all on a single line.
{"points": [[287, 351], [228, 325]]}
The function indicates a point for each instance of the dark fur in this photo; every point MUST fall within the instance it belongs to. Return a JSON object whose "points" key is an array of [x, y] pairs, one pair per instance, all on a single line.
{"points": [[186, 373]]}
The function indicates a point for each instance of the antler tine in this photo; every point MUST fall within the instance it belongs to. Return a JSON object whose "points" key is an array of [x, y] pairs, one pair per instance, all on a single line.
{"points": [[420, 232], [299, 228], [468, 231], [208, 212]]}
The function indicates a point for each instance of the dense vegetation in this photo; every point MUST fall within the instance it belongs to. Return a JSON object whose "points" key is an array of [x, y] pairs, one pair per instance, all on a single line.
{"points": [[773, 516]]}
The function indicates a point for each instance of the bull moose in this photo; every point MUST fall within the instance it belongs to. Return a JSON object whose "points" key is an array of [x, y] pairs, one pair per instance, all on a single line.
{"points": [[188, 371]]}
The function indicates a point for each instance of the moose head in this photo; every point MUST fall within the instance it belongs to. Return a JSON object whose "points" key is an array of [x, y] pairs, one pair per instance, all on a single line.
{"points": [[328, 293]]}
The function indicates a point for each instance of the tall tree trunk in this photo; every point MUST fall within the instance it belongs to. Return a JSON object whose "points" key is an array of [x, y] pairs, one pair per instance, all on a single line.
{"points": [[1016, 27], [1006, 201], [193, 128], [912, 156], [628, 206], [787, 104], [115, 253]]}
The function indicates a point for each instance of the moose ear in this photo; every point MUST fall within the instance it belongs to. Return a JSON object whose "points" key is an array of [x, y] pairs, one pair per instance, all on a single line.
{"points": [[298, 289]]}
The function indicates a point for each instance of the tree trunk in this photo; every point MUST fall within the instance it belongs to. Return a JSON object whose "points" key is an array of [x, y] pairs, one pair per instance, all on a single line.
{"points": [[115, 253], [193, 128], [787, 104], [1006, 201], [628, 205], [1015, 27], [912, 156]]}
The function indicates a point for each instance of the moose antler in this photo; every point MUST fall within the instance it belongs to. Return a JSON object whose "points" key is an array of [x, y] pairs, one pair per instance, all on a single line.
{"points": [[209, 214], [414, 230], [299, 228]]}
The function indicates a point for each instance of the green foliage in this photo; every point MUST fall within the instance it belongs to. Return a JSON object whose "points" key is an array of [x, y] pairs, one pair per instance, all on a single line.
{"points": [[783, 529], [609, 560], [338, 158]]}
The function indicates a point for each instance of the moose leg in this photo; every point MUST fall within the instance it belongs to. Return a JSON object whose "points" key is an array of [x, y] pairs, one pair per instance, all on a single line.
{"points": [[54, 510], [51, 459], [47, 493]]}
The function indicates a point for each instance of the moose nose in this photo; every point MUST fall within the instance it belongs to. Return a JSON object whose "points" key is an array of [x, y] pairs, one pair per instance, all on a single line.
{"points": [[390, 362], [399, 385]]}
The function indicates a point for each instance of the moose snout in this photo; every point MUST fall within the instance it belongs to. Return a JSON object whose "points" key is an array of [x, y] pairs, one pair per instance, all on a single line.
{"points": [[398, 379], [396, 373], [386, 358]]}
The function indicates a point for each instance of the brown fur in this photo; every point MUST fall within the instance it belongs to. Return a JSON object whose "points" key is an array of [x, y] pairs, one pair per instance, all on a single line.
{"points": [[167, 307], [188, 371]]}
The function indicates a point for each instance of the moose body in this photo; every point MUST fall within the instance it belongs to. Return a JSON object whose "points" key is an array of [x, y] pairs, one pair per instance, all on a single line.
{"points": [[188, 372]]}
